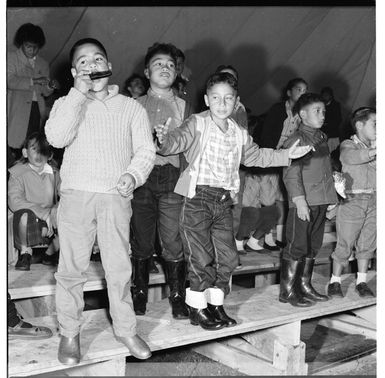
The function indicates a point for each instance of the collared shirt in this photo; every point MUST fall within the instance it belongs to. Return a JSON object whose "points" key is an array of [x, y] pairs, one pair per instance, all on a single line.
{"points": [[290, 124], [159, 108], [218, 166]]}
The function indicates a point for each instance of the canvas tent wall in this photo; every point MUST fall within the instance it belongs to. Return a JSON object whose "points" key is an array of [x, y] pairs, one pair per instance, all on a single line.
{"points": [[326, 45]]}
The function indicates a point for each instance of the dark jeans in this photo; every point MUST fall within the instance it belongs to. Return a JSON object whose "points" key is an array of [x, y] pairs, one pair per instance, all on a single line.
{"points": [[207, 232], [12, 316], [304, 239], [156, 206], [34, 119]]}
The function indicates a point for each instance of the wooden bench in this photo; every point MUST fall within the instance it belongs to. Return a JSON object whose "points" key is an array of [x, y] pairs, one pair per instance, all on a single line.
{"points": [[33, 291], [265, 341]]}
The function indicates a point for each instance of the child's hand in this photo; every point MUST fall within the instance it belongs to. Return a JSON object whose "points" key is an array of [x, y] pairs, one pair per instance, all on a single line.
{"points": [[126, 185], [296, 151], [303, 210], [53, 216], [82, 82], [162, 130], [50, 231]]}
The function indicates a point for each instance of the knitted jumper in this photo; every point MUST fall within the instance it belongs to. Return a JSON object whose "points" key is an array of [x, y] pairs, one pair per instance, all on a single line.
{"points": [[102, 138]]}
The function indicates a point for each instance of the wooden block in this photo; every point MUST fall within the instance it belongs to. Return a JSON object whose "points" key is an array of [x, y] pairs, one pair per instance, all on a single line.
{"points": [[265, 340], [290, 358], [237, 359]]}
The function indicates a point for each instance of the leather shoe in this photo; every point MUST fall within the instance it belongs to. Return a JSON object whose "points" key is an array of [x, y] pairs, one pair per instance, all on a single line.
{"points": [[27, 331], [363, 290], [204, 318], [69, 350], [137, 346], [23, 262], [334, 290], [220, 315], [280, 244], [270, 247]]}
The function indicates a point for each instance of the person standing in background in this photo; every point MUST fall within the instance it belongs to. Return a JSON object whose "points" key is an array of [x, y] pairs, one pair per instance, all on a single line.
{"points": [[28, 82]]}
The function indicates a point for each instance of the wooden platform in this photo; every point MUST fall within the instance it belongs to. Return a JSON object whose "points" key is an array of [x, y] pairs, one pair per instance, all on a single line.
{"points": [[268, 326]]}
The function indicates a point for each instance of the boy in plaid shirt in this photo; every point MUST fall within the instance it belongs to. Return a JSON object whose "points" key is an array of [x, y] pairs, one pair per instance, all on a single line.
{"points": [[214, 146]]}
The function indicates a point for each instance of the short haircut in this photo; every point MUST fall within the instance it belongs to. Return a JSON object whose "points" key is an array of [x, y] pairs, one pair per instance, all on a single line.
{"points": [[85, 41], [228, 67], [29, 33], [160, 48], [361, 115], [40, 140], [305, 100], [220, 78], [131, 78], [327, 90]]}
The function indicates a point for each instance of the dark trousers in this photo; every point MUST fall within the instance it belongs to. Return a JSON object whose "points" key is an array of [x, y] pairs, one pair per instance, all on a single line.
{"points": [[207, 232], [155, 206], [12, 316], [304, 239], [34, 119]]}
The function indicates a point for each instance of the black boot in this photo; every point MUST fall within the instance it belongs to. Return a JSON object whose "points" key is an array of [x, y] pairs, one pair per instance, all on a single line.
{"points": [[176, 279], [204, 318], [140, 285], [306, 287], [289, 291], [220, 315]]}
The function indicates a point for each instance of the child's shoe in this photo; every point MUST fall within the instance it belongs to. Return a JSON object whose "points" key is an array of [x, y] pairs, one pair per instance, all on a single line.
{"points": [[363, 290], [23, 262], [51, 260], [334, 290]]}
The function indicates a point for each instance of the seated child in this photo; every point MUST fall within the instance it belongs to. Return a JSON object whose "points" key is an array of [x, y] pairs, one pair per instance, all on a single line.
{"points": [[310, 187], [33, 189], [356, 214], [214, 146]]}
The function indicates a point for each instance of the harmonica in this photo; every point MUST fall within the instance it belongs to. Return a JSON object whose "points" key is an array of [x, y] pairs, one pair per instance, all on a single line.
{"points": [[100, 74]]}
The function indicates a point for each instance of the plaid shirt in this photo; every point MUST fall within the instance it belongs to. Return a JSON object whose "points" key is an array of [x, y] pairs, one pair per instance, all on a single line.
{"points": [[218, 166]]}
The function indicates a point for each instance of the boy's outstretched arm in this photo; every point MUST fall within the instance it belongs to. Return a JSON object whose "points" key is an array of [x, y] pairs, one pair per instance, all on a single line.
{"points": [[178, 140], [268, 157], [350, 154]]}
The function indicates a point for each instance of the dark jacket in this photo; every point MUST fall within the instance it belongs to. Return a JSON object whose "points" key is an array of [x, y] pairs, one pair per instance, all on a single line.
{"points": [[311, 175], [333, 118]]}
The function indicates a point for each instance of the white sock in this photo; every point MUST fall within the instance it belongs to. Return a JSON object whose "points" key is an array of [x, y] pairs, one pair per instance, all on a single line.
{"points": [[239, 244], [361, 277], [269, 240], [254, 243], [335, 279], [26, 250], [280, 228]]}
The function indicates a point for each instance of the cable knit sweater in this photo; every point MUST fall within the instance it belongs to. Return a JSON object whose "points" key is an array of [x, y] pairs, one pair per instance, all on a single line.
{"points": [[102, 138]]}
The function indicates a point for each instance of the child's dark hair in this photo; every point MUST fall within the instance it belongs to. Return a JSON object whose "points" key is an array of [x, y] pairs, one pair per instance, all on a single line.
{"points": [[306, 99], [291, 84], [228, 67], [130, 79], [29, 33], [84, 41], [41, 143], [361, 115], [327, 90], [160, 48], [222, 77], [180, 54]]}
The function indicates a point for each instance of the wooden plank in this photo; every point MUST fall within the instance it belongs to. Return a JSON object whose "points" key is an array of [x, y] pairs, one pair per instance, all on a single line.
{"points": [[367, 313], [236, 359], [253, 309], [350, 324]]}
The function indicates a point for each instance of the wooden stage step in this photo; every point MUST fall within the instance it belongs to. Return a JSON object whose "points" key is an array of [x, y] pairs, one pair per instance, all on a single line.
{"points": [[261, 320]]}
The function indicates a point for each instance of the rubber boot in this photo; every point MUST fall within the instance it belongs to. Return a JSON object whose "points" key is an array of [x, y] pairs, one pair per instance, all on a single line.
{"points": [[215, 298], [289, 292], [198, 312], [306, 287], [140, 285], [69, 350], [176, 279]]}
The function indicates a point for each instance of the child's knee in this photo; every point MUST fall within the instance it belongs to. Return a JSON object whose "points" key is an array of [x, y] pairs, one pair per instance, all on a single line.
{"points": [[23, 221]]}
